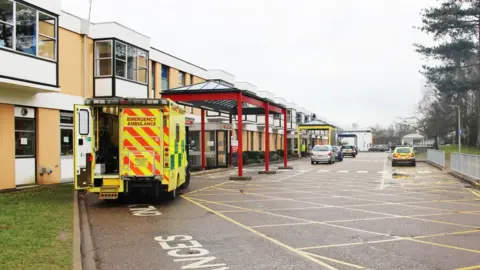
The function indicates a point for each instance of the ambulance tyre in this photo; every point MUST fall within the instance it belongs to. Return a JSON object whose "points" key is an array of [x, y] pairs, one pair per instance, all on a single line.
{"points": [[172, 194]]}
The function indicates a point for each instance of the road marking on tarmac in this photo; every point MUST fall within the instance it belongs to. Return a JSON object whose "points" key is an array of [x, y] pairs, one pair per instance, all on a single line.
{"points": [[144, 210], [194, 251], [362, 171], [342, 171], [475, 192], [303, 254]]}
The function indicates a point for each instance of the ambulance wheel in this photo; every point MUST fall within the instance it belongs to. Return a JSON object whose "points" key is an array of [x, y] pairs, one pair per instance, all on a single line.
{"points": [[172, 194]]}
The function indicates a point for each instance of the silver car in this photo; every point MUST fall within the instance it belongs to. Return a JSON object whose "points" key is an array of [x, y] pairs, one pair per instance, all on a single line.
{"points": [[322, 153]]}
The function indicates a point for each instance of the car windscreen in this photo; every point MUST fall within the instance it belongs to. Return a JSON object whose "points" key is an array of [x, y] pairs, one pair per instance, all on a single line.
{"points": [[336, 148], [347, 147], [403, 150], [320, 148]]}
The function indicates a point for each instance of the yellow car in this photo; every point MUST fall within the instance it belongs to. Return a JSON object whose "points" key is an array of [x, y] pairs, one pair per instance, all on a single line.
{"points": [[403, 155]]}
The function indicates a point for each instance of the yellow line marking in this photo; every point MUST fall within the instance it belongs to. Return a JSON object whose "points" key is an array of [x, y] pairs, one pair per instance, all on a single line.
{"points": [[442, 245], [300, 219], [216, 185], [469, 267], [303, 254], [284, 224], [273, 209], [370, 212], [474, 192], [353, 244], [335, 261], [446, 234]]}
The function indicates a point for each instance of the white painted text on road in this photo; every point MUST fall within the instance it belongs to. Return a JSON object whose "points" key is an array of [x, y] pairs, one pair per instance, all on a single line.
{"points": [[185, 249]]}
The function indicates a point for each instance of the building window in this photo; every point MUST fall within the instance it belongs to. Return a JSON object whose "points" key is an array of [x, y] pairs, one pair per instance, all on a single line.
{"points": [[165, 71], [181, 78], [120, 59], [66, 134], [142, 62], [260, 141], [131, 63], [191, 78], [152, 75], [251, 140], [27, 30], [103, 58], [24, 137]]}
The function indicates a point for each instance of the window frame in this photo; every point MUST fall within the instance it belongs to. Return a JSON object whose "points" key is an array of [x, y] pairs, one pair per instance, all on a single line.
{"points": [[153, 69], [181, 78], [166, 79], [122, 60], [68, 126], [79, 122], [34, 131], [96, 59], [37, 34], [137, 66]]}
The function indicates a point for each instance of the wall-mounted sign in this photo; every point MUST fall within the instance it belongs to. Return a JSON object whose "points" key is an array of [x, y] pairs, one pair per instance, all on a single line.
{"points": [[227, 127]]}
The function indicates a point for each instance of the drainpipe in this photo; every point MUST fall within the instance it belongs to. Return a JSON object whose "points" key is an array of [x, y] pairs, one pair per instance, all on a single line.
{"points": [[85, 84], [85, 48]]}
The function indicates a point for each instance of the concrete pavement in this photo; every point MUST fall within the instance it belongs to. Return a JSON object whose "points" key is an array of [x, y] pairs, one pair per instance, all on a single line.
{"points": [[357, 214]]}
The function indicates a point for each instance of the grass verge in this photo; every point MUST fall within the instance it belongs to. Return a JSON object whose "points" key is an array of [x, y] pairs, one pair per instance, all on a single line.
{"points": [[36, 228], [465, 149]]}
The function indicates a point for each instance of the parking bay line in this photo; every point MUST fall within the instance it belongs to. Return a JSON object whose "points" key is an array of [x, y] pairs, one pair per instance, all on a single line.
{"points": [[349, 228], [303, 254], [476, 193], [374, 212], [473, 267], [388, 240], [335, 261]]}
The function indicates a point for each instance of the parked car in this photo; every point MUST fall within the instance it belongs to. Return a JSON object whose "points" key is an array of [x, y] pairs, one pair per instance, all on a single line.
{"points": [[378, 148], [338, 152], [349, 150], [322, 153], [403, 155]]}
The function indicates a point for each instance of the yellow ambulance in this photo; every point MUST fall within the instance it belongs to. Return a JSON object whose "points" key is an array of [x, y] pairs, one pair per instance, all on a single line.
{"points": [[123, 145]]}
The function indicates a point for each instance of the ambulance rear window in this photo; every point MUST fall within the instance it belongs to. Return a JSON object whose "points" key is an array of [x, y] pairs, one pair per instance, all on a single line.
{"points": [[83, 122]]}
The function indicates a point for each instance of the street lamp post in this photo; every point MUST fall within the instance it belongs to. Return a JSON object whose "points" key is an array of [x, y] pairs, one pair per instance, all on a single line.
{"points": [[459, 132]]}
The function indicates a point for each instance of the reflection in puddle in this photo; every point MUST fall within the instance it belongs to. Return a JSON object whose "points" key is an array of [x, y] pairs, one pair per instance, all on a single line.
{"points": [[403, 176]]}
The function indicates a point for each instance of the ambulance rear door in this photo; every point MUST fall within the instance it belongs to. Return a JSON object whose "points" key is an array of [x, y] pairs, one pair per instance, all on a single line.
{"points": [[83, 146]]}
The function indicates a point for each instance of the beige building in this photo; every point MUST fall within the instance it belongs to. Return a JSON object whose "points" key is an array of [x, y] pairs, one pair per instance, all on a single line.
{"points": [[51, 60]]}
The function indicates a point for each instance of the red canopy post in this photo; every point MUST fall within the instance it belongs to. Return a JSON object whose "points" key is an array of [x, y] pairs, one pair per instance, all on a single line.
{"points": [[240, 133], [267, 135], [285, 135], [285, 153], [230, 139], [202, 144]]}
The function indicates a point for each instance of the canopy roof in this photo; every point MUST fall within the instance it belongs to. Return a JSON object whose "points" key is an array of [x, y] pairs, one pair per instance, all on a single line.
{"points": [[316, 123], [221, 96], [413, 136], [347, 135]]}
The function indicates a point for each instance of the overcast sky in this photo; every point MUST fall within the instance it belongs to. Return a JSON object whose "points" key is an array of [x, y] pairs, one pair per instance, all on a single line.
{"points": [[350, 61]]}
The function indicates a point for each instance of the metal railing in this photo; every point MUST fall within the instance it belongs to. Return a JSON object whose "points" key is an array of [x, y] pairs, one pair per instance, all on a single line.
{"points": [[436, 157], [466, 164]]}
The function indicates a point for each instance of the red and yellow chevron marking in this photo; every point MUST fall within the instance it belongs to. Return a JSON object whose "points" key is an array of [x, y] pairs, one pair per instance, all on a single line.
{"points": [[141, 142]]}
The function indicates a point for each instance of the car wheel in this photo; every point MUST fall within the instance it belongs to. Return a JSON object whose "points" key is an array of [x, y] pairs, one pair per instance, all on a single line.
{"points": [[312, 162], [393, 164], [414, 164]]}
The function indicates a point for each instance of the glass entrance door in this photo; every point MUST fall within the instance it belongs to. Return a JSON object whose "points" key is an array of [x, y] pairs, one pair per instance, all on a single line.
{"points": [[222, 148]]}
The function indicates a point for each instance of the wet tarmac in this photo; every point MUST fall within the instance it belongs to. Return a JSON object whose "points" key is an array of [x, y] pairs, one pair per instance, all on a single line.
{"points": [[357, 214]]}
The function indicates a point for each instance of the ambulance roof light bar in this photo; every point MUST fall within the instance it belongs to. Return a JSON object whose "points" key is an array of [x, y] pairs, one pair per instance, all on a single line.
{"points": [[125, 101]]}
